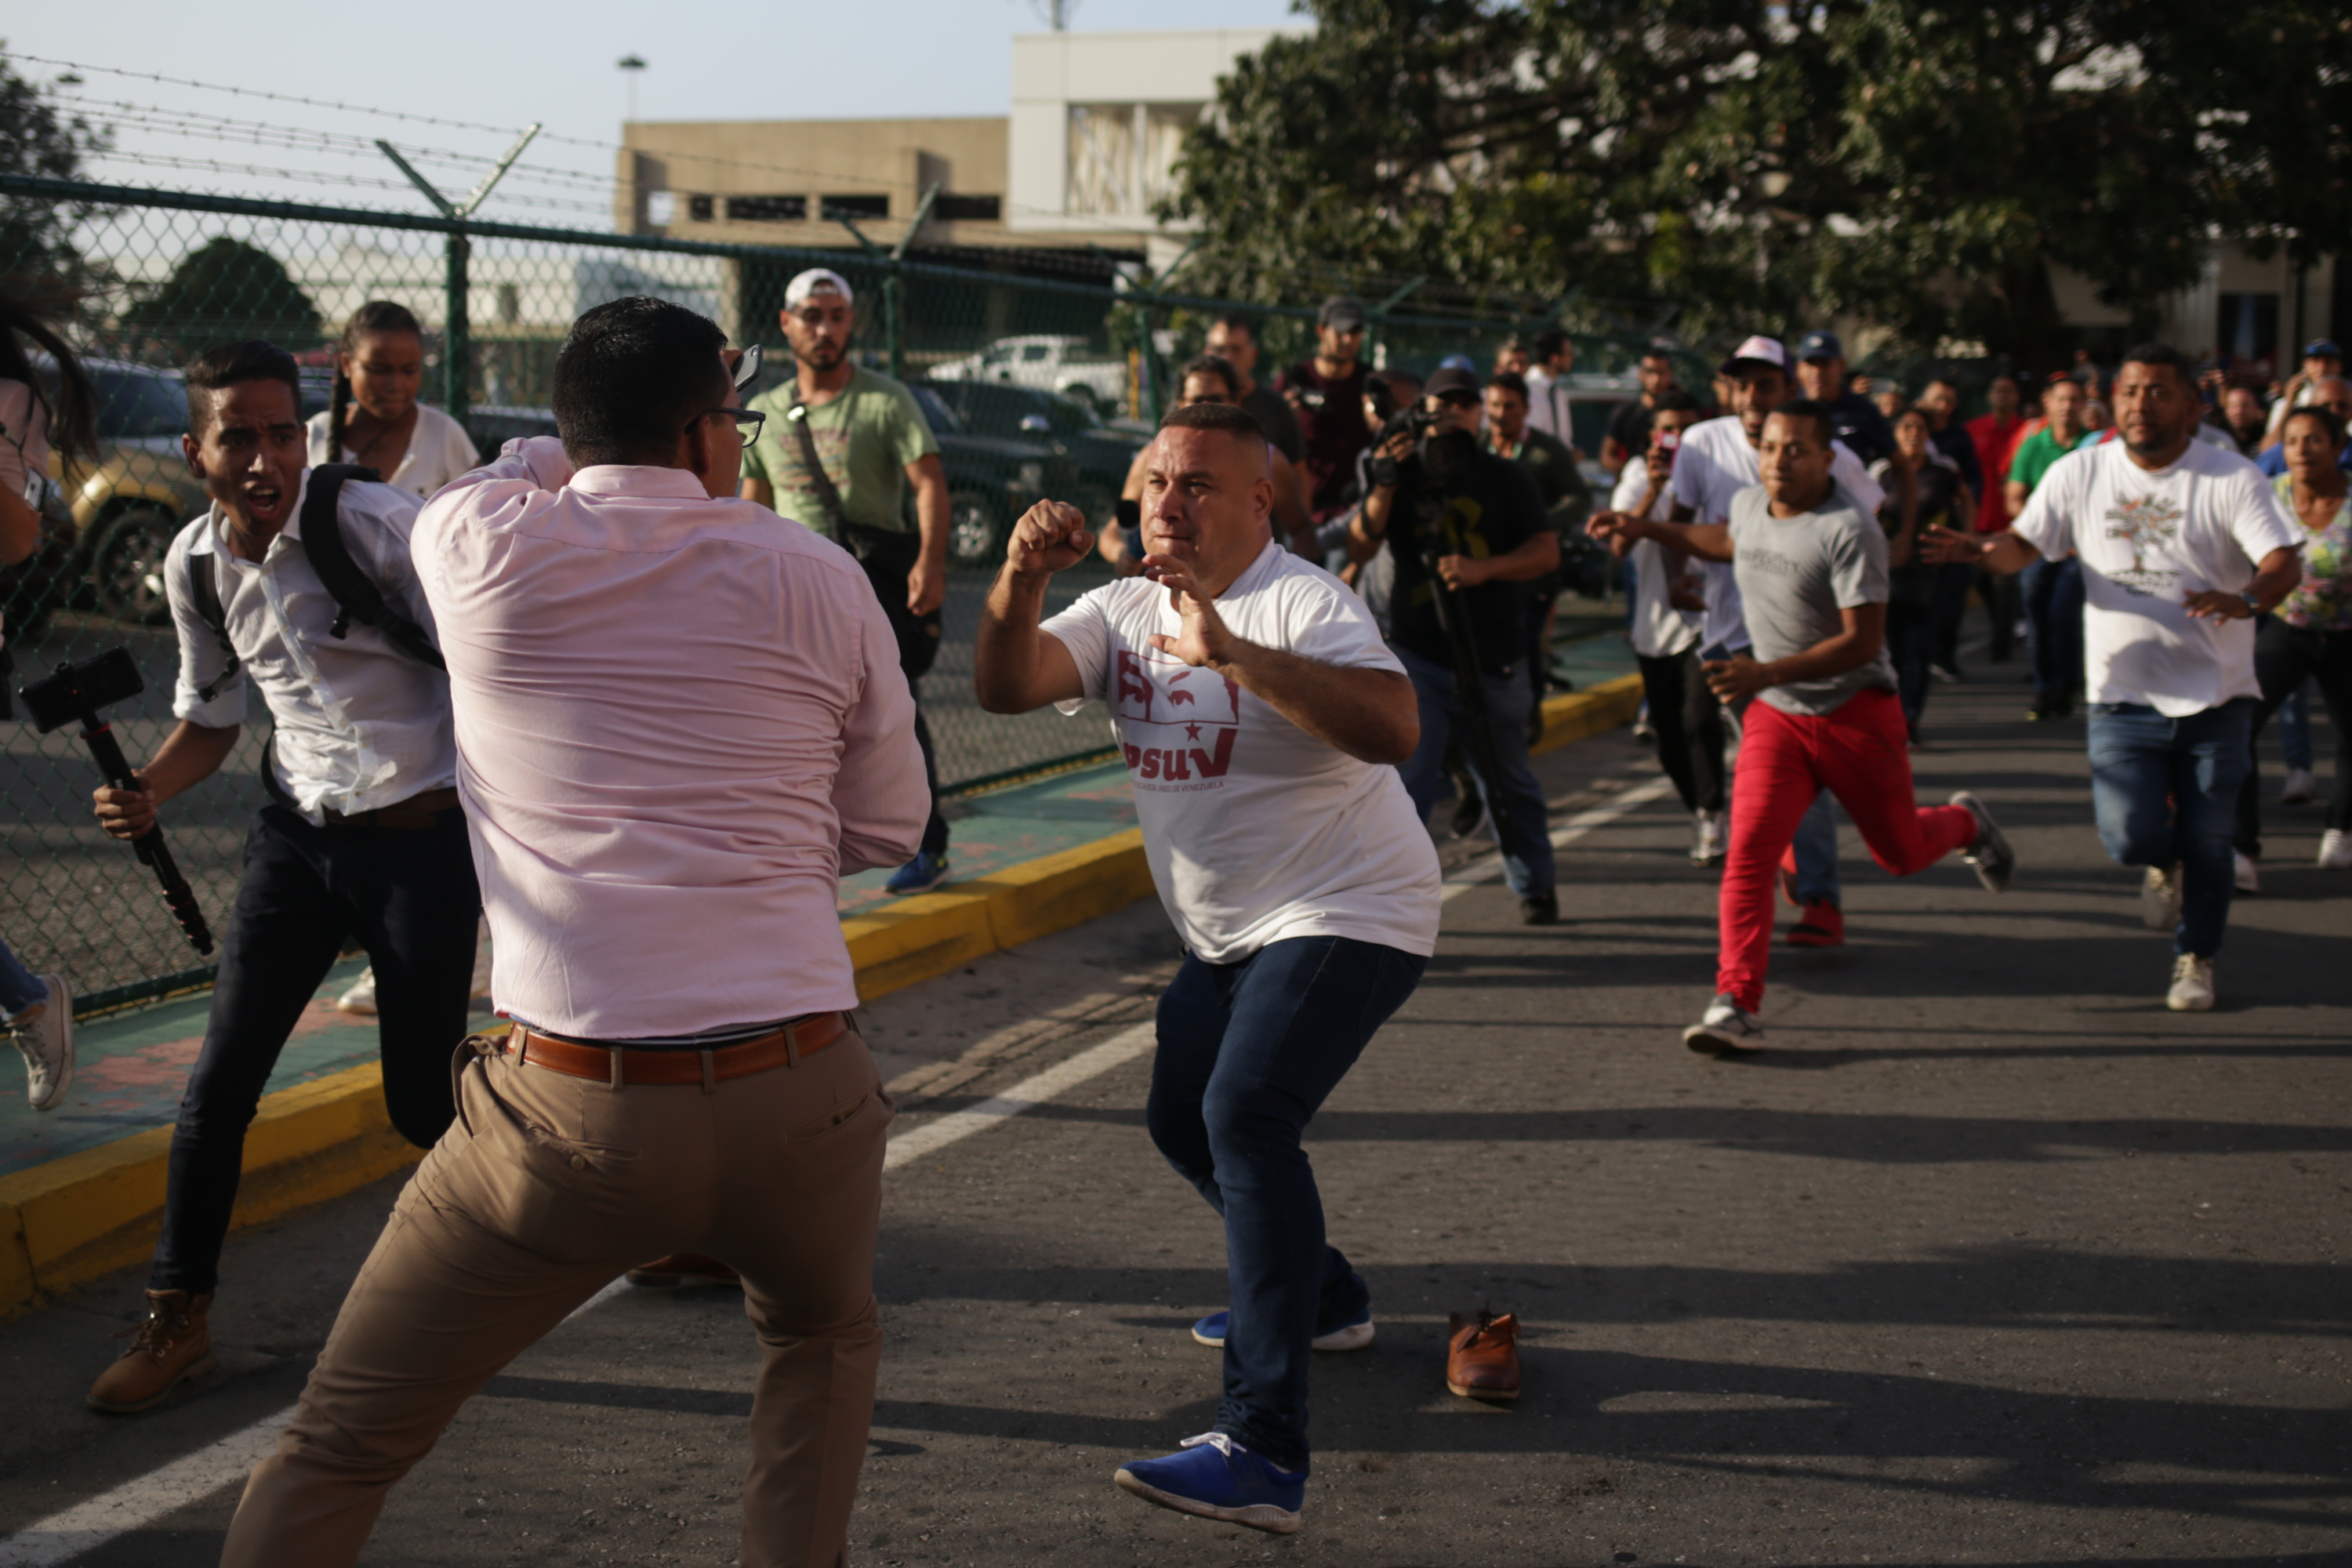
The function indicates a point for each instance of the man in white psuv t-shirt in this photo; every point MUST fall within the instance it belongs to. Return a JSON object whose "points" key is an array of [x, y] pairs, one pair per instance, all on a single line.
{"points": [[1262, 717], [2183, 545]]}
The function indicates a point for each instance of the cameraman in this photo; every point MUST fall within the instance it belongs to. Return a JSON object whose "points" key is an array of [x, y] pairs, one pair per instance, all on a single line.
{"points": [[1470, 525]]}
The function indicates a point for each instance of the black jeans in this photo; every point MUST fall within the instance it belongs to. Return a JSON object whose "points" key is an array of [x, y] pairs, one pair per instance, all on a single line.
{"points": [[1689, 722], [919, 646], [1911, 646], [411, 899], [1953, 581], [2284, 656]]}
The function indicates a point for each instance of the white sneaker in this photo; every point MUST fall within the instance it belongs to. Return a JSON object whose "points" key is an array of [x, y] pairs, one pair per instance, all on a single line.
{"points": [[360, 998], [2249, 872], [2192, 984], [2300, 787], [45, 1041], [2336, 849], [1726, 1029], [2159, 898], [1707, 839]]}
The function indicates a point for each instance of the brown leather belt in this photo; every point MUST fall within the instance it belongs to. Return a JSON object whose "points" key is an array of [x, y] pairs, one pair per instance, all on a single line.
{"points": [[418, 811], [619, 1065]]}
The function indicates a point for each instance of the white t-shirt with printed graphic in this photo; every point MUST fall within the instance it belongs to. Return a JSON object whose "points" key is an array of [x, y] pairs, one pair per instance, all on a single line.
{"points": [[1255, 831], [2147, 541]]}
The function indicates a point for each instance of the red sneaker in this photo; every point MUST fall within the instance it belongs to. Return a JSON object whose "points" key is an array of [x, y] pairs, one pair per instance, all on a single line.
{"points": [[1822, 925]]}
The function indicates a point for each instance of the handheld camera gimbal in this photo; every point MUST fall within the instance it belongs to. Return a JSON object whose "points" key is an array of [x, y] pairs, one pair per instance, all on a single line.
{"points": [[77, 692]]}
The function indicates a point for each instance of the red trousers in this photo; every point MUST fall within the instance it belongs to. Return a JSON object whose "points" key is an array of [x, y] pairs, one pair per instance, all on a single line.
{"points": [[1859, 754]]}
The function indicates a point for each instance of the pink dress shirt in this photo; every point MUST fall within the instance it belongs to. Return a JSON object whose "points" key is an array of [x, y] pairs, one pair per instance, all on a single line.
{"points": [[680, 721]]}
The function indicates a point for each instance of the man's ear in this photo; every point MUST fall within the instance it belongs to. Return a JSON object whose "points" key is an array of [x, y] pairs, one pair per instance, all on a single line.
{"points": [[694, 448], [194, 454]]}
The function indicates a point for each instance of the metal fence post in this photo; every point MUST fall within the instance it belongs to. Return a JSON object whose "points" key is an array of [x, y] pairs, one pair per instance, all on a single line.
{"points": [[457, 335], [892, 333]]}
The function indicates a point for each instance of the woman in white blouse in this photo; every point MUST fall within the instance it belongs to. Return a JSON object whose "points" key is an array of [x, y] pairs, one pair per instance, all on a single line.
{"points": [[381, 362]]}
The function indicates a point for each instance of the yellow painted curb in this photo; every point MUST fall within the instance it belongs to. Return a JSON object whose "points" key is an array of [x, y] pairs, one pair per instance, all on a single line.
{"points": [[75, 1218]]}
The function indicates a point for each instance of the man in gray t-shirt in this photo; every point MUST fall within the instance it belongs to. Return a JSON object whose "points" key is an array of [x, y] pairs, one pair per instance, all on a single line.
{"points": [[1812, 571], [1797, 577]]}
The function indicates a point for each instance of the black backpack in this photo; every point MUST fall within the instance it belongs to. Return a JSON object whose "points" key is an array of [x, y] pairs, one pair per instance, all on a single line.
{"points": [[355, 592]]}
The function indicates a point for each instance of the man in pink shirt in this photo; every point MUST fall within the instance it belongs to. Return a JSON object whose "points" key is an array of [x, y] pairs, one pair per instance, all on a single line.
{"points": [[679, 720]]}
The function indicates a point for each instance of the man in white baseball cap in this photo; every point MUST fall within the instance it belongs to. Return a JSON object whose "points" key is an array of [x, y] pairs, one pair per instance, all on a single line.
{"points": [[841, 445]]}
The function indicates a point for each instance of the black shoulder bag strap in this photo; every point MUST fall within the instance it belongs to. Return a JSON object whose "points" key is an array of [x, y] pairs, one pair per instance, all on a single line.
{"points": [[354, 591], [204, 585], [828, 495]]}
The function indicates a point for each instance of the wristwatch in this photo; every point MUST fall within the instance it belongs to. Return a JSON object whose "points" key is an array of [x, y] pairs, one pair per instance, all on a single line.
{"points": [[2253, 604]]}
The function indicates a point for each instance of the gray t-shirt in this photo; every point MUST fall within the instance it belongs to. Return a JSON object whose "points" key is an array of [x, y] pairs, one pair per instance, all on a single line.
{"points": [[1795, 573]]}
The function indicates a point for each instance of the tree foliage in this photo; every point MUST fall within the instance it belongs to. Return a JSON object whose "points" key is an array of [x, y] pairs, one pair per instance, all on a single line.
{"points": [[39, 137], [223, 291], [1915, 163]]}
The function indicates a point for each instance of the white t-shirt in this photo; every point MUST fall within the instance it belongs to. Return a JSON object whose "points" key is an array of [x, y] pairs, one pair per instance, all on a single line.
{"points": [[439, 451], [1715, 464], [2147, 542], [1548, 407], [1659, 630], [1256, 830]]}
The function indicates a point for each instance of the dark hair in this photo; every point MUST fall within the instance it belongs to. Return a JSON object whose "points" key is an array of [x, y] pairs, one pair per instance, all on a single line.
{"points": [[1806, 408], [1550, 341], [2164, 354], [630, 376], [1230, 417], [379, 316], [2329, 421], [232, 365], [1912, 412], [1510, 381], [1234, 320], [72, 408], [1212, 364], [1674, 398]]}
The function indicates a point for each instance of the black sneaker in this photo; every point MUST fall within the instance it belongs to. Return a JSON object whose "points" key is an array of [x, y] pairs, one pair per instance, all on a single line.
{"points": [[1994, 861], [1543, 910]]}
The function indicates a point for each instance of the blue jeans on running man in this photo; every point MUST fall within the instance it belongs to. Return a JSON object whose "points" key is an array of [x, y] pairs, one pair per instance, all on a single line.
{"points": [[1525, 841], [1247, 1053], [2053, 614], [19, 986], [2165, 791]]}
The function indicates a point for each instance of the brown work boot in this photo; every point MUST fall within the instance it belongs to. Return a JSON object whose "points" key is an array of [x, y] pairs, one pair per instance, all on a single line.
{"points": [[171, 1347], [680, 1270], [1482, 1355]]}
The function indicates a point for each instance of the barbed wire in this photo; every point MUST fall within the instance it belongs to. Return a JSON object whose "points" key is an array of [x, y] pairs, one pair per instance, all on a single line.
{"points": [[321, 177]]}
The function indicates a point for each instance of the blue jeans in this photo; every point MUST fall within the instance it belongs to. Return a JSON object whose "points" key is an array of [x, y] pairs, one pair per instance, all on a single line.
{"points": [[2166, 792], [1247, 1053], [1520, 827], [2053, 610], [2294, 728], [19, 987]]}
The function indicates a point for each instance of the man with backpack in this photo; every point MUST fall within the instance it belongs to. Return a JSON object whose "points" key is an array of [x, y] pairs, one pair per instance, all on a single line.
{"points": [[298, 581]]}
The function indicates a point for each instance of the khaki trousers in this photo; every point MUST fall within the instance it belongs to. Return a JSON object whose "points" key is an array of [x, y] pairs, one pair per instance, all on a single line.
{"points": [[545, 1189]]}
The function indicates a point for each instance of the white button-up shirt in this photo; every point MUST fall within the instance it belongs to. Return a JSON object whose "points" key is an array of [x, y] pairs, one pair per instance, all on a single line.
{"points": [[360, 724]]}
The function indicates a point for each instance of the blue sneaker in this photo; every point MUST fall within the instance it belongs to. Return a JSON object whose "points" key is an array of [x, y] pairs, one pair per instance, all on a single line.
{"points": [[1352, 1335], [1214, 1477], [920, 875]]}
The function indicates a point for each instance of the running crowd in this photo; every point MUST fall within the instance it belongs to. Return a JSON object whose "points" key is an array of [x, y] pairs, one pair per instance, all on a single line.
{"points": [[1330, 612]]}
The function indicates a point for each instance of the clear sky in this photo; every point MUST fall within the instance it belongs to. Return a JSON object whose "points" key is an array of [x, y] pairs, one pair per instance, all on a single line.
{"points": [[504, 64]]}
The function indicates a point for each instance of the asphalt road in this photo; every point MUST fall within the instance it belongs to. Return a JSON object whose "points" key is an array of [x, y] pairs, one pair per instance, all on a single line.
{"points": [[1988, 1260]]}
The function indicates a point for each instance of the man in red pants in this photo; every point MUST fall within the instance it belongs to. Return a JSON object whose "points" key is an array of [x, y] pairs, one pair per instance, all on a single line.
{"points": [[1811, 564]]}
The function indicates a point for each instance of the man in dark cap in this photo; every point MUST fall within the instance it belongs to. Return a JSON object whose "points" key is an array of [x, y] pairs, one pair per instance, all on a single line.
{"points": [[1328, 392], [1820, 375]]}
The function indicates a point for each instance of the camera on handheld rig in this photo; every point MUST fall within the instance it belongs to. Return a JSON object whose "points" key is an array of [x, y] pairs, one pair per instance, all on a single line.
{"points": [[1441, 453]]}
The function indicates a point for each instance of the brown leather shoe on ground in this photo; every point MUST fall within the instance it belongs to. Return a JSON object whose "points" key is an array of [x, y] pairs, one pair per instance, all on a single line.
{"points": [[1482, 1356], [682, 1270], [171, 1347]]}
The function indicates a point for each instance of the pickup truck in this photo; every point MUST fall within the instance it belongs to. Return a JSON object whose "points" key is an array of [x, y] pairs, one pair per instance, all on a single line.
{"points": [[1049, 362]]}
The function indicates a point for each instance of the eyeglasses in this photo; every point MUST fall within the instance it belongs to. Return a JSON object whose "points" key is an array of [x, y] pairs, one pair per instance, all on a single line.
{"points": [[747, 421]]}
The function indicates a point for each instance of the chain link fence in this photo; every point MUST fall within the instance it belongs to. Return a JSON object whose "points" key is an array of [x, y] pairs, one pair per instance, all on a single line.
{"points": [[1042, 373]]}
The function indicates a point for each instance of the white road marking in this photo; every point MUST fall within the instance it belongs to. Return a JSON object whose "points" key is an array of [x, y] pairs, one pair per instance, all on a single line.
{"points": [[1480, 872], [139, 1502]]}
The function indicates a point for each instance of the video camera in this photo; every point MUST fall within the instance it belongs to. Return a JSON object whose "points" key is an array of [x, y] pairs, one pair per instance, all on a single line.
{"points": [[1441, 454]]}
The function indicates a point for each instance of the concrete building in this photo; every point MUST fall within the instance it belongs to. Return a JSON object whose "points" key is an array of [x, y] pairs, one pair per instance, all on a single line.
{"points": [[1097, 121]]}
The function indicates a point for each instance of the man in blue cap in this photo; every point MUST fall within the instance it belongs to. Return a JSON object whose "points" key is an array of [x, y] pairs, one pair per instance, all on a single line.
{"points": [[2322, 361], [1820, 374]]}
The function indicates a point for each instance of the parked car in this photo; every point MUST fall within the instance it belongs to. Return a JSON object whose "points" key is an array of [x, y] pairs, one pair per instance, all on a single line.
{"points": [[493, 425], [121, 512], [992, 480], [1099, 453], [1048, 361]]}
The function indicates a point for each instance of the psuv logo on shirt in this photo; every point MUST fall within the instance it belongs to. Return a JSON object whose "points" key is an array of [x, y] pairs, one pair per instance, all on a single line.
{"points": [[1177, 723]]}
